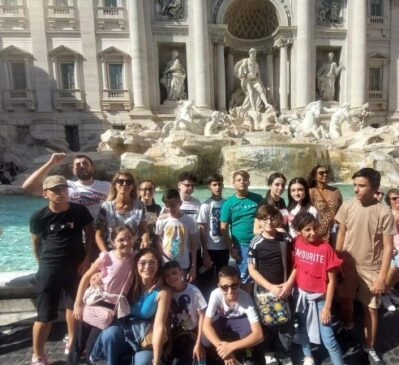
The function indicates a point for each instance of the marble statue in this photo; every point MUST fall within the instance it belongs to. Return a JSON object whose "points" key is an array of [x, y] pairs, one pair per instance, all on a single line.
{"points": [[326, 76], [173, 78], [216, 122], [171, 8], [340, 115], [247, 70], [184, 119], [329, 11]]}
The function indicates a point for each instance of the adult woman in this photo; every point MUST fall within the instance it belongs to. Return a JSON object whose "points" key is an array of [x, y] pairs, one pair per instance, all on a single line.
{"points": [[325, 198], [121, 207], [150, 306]]}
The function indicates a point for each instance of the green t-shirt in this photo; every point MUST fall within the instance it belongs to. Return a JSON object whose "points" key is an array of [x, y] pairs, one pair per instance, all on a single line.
{"points": [[239, 213]]}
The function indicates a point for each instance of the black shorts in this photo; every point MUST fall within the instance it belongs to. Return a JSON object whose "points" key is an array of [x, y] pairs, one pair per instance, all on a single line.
{"points": [[51, 285]]}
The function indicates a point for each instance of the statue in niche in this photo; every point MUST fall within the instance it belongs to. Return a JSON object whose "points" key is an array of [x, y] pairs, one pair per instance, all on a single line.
{"points": [[173, 78], [329, 11], [326, 76], [171, 8], [247, 70]]}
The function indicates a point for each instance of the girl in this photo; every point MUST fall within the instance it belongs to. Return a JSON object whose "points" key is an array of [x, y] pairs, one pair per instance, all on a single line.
{"points": [[315, 262], [276, 183], [111, 271], [299, 201]]}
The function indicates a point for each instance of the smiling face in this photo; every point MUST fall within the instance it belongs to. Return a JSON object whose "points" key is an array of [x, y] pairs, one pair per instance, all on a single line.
{"points": [[124, 184], [277, 188], [269, 224], [174, 278], [123, 242], [394, 201], [297, 192], [82, 168], [363, 190], [230, 288], [309, 232], [146, 191], [322, 175], [241, 184], [186, 188], [147, 266]]}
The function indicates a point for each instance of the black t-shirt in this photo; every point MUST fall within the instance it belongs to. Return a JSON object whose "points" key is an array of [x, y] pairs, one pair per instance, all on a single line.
{"points": [[61, 234], [268, 200], [265, 254]]}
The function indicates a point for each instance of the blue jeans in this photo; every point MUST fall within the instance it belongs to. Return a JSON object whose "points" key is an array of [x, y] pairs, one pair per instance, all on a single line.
{"points": [[327, 336], [242, 265], [111, 346]]}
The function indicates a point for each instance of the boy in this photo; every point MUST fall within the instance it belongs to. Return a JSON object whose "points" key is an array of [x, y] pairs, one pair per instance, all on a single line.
{"points": [[231, 323], [365, 241], [176, 234], [187, 316], [214, 249], [238, 213], [58, 247], [269, 258]]}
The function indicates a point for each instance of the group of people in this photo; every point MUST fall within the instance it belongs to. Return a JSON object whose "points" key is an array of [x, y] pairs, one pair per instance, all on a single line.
{"points": [[110, 245]]}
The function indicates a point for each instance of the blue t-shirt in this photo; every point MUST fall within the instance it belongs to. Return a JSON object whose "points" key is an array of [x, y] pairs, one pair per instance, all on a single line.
{"points": [[239, 213], [146, 305]]}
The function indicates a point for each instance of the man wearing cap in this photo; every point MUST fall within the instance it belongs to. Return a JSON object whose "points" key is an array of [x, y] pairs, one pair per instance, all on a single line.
{"points": [[58, 247], [85, 191]]}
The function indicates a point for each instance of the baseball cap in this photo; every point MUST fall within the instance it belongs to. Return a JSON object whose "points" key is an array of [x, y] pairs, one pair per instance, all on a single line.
{"points": [[53, 181]]}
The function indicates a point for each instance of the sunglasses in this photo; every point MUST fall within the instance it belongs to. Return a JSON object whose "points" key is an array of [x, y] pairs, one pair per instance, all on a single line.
{"points": [[150, 190], [379, 193], [233, 286], [323, 172], [124, 182], [394, 198]]}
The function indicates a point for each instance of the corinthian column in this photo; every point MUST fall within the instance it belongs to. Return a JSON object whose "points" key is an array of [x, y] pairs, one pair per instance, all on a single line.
{"points": [[221, 77], [283, 44]]}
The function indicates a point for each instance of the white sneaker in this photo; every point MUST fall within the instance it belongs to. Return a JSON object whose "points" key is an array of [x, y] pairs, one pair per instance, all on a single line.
{"points": [[270, 359], [387, 303], [286, 361], [308, 360]]}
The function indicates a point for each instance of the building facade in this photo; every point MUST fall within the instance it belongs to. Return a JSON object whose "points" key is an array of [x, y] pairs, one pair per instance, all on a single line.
{"points": [[74, 68]]}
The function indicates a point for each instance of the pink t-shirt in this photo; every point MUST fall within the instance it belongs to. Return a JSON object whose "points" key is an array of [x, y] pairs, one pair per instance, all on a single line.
{"points": [[312, 262], [114, 272]]}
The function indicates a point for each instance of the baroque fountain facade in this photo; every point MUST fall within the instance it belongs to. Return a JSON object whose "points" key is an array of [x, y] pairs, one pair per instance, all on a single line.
{"points": [[162, 86]]}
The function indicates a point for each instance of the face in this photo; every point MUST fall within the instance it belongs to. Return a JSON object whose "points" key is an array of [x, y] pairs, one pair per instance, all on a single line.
{"points": [[252, 54], [269, 224], [229, 287], [82, 168], [241, 183], [123, 184], [277, 187], [186, 188], [394, 199], [322, 175], [379, 195], [173, 277], [173, 206], [216, 188], [57, 194], [147, 266], [309, 232], [146, 191], [297, 192], [124, 241], [363, 189]]}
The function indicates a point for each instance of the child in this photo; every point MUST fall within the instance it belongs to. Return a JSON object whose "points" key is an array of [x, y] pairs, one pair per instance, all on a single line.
{"points": [[58, 247], [213, 246], [365, 241], [269, 256], [176, 234], [231, 323], [314, 273], [299, 201], [108, 275], [187, 314]]}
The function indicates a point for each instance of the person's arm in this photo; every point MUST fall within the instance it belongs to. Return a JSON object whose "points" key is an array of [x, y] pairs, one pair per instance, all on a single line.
{"points": [[193, 244], [99, 238], [36, 241], [159, 328], [224, 230], [286, 288], [210, 332], [198, 350], [339, 245], [378, 286], [145, 237], [83, 284], [206, 259], [225, 348], [257, 227], [34, 183], [260, 280], [90, 243], [325, 316]]}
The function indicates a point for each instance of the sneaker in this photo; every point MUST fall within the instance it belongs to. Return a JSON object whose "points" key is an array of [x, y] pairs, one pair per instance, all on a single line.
{"points": [[308, 360], [67, 347], [374, 359], [286, 361], [270, 359], [38, 360], [65, 339], [387, 303]]}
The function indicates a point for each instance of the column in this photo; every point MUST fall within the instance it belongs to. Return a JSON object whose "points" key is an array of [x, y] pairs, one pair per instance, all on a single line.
{"points": [[358, 52], [283, 44], [139, 56], [221, 77], [230, 72], [270, 72], [393, 105], [305, 75], [199, 36]]}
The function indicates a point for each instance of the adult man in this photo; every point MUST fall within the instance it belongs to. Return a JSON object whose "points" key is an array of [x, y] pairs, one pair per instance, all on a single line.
{"points": [[85, 191]]}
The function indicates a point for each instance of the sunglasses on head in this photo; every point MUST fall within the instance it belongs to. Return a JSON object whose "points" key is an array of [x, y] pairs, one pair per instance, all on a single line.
{"points": [[124, 181], [233, 286]]}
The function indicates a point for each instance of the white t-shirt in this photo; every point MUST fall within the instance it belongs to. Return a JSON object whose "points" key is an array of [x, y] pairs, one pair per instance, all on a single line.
{"points": [[175, 235], [91, 196], [209, 214], [185, 306], [244, 306], [191, 208], [312, 210]]}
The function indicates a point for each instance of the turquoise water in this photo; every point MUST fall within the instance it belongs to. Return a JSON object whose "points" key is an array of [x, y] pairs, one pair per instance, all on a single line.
{"points": [[15, 211]]}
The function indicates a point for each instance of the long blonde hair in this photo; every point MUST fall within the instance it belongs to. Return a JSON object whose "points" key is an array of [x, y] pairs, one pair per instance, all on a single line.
{"points": [[128, 174]]}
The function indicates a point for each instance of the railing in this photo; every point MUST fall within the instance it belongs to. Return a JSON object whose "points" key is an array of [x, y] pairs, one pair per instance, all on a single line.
{"points": [[376, 20], [110, 95], [12, 11], [64, 95], [15, 96], [110, 13], [376, 95], [61, 12]]}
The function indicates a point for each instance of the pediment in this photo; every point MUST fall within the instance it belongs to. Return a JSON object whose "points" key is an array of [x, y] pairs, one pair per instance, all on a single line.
{"points": [[377, 56], [14, 51], [113, 51], [64, 51]]}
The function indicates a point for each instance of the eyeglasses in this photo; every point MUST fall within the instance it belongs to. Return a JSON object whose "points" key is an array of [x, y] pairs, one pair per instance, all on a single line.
{"points": [[143, 263], [233, 286], [271, 219], [188, 185], [124, 182], [149, 190], [394, 198], [323, 172]]}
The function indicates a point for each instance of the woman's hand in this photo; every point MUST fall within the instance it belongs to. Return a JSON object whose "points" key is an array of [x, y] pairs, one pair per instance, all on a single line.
{"points": [[325, 316], [275, 290], [198, 352], [78, 311], [285, 290]]}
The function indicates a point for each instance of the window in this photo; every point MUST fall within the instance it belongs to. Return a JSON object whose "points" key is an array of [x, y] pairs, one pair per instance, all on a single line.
{"points": [[72, 137], [18, 76], [67, 76], [376, 8], [10, 2], [60, 2], [375, 78], [115, 76], [110, 3]]}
